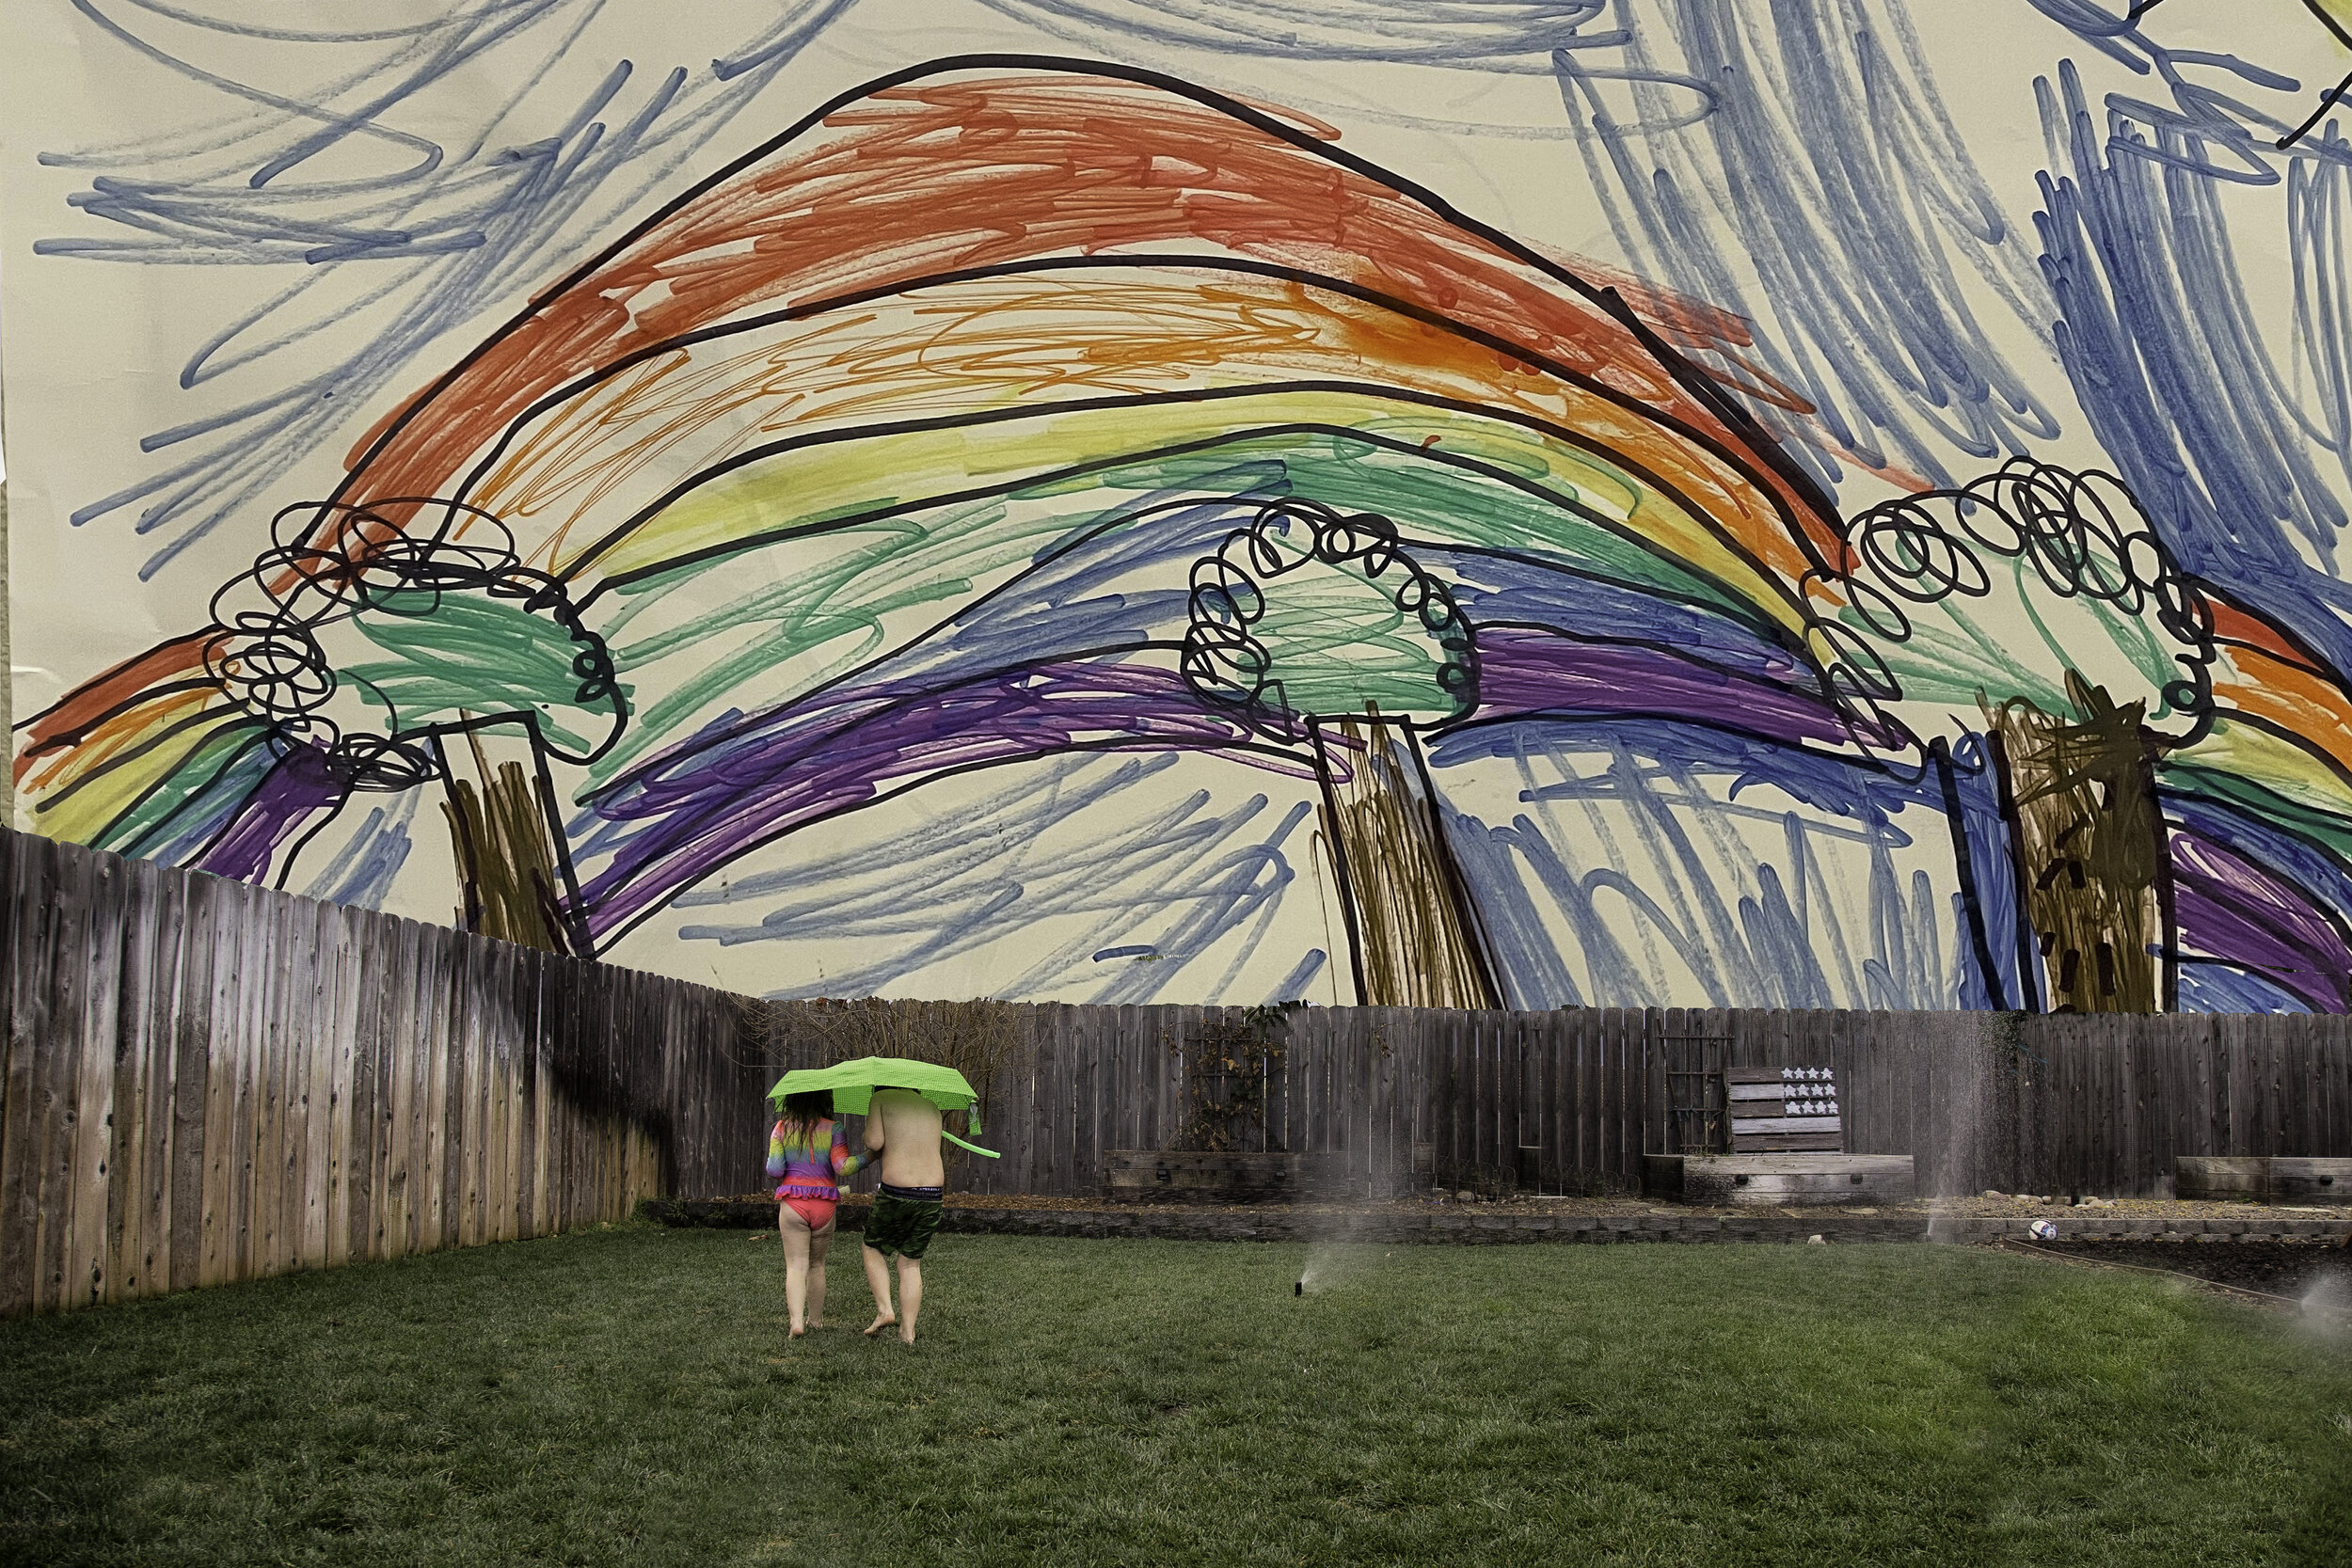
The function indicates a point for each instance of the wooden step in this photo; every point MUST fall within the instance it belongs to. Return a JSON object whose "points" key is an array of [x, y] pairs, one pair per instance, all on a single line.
{"points": [[1764, 1143]]}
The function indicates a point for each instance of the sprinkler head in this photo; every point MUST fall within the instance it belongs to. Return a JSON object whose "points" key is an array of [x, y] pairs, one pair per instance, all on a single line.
{"points": [[1299, 1289]]}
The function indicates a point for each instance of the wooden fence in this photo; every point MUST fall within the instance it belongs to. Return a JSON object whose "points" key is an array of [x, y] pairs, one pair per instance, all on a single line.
{"points": [[1568, 1102], [1381, 1090], [206, 1082]]}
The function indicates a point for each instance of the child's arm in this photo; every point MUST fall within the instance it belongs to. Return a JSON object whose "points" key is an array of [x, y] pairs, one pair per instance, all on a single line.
{"points": [[846, 1165], [776, 1154]]}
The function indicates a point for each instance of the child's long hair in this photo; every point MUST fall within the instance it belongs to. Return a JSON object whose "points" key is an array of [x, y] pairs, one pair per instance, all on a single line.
{"points": [[802, 1114]]}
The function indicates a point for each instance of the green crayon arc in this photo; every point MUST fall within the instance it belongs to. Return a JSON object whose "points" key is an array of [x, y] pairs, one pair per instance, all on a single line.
{"points": [[917, 561]]}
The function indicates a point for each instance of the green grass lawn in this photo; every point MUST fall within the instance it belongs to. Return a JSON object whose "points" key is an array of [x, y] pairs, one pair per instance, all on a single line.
{"points": [[629, 1396]]}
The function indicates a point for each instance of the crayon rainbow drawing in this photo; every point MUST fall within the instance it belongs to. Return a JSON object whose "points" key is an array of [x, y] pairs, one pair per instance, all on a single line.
{"points": [[1234, 574]]}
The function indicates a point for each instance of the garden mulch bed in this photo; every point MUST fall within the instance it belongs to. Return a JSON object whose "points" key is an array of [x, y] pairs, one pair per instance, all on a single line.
{"points": [[1449, 1219], [2289, 1270], [2003, 1207], [2007, 1205]]}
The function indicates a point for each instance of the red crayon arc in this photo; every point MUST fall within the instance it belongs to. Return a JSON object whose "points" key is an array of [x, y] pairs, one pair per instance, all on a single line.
{"points": [[948, 172], [958, 166]]}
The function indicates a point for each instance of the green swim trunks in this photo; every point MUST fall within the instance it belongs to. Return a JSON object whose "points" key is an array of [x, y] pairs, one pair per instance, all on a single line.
{"points": [[904, 1220]]}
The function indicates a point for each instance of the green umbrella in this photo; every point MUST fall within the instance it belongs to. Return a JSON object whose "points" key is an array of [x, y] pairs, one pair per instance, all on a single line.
{"points": [[853, 1084]]}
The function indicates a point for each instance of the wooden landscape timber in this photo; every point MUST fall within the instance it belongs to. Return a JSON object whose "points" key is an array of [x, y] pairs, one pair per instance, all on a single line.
{"points": [[2310, 1180], [206, 1082], [2280, 1178], [2221, 1177]]}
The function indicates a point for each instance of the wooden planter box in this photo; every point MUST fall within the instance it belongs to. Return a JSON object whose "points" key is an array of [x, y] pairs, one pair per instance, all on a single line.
{"points": [[1191, 1176], [1778, 1180]]}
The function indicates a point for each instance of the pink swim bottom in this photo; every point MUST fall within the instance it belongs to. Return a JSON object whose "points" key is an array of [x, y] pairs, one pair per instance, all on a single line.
{"points": [[818, 1211]]}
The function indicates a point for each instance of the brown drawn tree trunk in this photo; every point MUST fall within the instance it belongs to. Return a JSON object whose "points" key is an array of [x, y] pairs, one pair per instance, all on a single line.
{"points": [[1415, 933], [506, 865], [2080, 795]]}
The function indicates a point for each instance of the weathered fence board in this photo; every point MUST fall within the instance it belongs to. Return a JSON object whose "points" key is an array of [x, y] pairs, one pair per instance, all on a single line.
{"points": [[202, 1082]]}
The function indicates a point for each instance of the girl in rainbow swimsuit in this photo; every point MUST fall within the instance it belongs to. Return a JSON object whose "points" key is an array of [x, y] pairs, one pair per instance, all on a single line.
{"points": [[808, 1158]]}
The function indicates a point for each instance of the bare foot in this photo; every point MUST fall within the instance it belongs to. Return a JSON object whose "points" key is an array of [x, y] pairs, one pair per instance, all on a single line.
{"points": [[881, 1322], [797, 1332], [906, 1334]]}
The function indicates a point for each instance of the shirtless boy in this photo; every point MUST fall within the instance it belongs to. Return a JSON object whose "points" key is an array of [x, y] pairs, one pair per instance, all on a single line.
{"points": [[904, 1128]]}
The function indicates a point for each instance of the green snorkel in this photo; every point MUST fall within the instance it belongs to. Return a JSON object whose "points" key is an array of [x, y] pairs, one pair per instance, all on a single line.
{"points": [[852, 1084]]}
